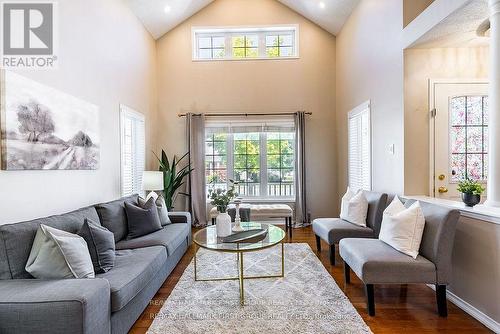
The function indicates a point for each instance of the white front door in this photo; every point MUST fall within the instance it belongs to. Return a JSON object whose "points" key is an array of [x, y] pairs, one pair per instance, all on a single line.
{"points": [[460, 132]]}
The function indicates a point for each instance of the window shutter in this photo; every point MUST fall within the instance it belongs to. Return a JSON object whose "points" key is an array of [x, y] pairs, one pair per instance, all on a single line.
{"points": [[133, 151], [359, 148]]}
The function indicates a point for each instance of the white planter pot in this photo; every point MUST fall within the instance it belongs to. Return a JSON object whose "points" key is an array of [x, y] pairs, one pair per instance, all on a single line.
{"points": [[223, 224]]}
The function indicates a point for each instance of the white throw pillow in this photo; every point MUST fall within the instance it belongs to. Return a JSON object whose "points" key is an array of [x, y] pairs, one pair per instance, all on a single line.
{"points": [[403, 228], [354, 208], [58, 254]]}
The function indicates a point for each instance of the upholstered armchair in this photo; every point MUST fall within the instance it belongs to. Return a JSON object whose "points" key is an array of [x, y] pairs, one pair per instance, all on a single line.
{"points": [[332, 230], [375, 262]]}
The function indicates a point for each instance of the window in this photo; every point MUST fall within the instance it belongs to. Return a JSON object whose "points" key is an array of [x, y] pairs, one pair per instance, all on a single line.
{"points": [[260, 157], [468, 138], [211, 47], [280, 164], [279, 45], [246, 168], [216, 158], [245, 43], [359, 148], [133, 150], [245, 46]]}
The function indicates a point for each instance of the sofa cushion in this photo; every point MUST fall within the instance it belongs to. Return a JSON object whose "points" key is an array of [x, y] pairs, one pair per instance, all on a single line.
{"points": [[170, 236], [354, 207], [73, 306], [332, 230], [375, 262], [101, 244], [18, 238], [162, 209], [59, 254], [402, 227], [133, 270], [113, 217], [142, 220]]}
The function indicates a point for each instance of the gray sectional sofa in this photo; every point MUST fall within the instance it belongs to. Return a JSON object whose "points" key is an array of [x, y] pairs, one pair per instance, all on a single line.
{"points": [[111, 302]]}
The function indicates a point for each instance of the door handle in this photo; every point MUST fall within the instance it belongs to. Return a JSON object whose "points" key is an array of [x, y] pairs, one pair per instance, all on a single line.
{"points": [[442, 190]]}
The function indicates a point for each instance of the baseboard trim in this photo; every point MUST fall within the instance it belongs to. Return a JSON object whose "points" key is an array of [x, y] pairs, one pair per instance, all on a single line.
{"points": [[471, 310]]}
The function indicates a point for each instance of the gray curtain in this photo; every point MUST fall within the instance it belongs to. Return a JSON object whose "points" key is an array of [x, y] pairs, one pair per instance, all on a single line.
{"points": [[197, 183], [301, 211]]}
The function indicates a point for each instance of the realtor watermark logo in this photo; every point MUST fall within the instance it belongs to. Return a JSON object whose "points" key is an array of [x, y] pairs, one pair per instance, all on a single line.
{"points": [[29, 35]]}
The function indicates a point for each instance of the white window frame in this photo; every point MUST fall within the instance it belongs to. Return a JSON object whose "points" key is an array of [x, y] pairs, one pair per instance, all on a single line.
{"points": [[229, 31], [138, 153], [263, 170], [356, 115]]}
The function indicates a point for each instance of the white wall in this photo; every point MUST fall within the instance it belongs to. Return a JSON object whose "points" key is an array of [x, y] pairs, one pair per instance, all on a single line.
{"points": [[370, 67], [306, 84], [106, 57]]}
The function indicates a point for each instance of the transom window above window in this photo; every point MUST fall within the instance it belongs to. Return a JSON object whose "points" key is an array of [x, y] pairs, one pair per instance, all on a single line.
{"points": [[245, 43]]}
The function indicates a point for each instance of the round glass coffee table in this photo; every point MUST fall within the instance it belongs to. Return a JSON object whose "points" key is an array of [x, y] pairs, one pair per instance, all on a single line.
{"points": [[207, 238]]}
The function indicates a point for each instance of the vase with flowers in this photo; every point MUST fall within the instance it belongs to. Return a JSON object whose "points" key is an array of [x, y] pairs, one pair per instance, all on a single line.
{"points": [[221, 198]]}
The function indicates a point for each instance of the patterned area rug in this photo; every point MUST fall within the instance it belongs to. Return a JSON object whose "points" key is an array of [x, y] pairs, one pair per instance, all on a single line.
{"points": [[307, 300]]}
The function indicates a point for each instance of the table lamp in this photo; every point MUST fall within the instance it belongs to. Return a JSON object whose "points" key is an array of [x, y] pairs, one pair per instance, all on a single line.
{"points": [[152, 181]]}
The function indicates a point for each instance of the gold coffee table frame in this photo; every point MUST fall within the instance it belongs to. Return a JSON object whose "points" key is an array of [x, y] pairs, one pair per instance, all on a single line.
{"points": [[207, 238]]}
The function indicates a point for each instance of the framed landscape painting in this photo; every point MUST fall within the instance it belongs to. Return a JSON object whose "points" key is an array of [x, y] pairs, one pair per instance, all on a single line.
{"points": [[44, 128]]}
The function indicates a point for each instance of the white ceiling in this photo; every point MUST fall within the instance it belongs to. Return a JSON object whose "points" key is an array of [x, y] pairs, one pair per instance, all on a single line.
{"points": [[331, 18], [459, 29], [152, 12]]}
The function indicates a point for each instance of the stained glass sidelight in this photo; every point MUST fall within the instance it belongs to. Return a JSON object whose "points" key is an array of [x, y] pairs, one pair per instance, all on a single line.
{"points": [[468, 137]]}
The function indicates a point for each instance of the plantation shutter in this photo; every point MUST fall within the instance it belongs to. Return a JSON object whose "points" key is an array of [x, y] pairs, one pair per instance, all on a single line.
{"points": [[359, 148], [133, 150]]}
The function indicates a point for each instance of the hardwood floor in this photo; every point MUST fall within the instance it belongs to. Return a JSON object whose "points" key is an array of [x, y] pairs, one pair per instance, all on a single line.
{"points": [[407, 308]]}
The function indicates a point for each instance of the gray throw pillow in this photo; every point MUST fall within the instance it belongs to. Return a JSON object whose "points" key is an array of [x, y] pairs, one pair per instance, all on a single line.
{"points": [[59, 254], [101, 244], [113, 217], [142, 220], [162, 209]]}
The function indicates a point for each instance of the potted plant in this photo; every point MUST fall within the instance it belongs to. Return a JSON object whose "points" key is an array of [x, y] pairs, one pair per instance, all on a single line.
{"points": [[173, 177], [220, 199], [471, 191]]}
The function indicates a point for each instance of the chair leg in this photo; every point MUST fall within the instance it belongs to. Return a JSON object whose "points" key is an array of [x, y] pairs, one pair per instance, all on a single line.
{"points": [[291, 228], [441, 300], [370, 299], [347, 273], [332, 254], [318, 244]]}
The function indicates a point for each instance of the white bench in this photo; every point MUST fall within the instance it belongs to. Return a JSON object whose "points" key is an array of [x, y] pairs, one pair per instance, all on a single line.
{"points": [[260, 211]]}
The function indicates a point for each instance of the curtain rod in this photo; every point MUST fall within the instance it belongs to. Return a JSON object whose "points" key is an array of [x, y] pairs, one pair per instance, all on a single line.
{"points": [[246, 114]]}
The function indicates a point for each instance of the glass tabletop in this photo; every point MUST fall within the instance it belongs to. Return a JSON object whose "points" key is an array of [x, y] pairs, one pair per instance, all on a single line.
{"points": [[207, 238]]}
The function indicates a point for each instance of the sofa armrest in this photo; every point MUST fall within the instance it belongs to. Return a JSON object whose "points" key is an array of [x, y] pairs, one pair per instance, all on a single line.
{"points": [[180, 217], [55, 306]]}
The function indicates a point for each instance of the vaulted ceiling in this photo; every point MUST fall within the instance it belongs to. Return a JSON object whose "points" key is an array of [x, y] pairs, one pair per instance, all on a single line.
{"points": [[160, 16]]}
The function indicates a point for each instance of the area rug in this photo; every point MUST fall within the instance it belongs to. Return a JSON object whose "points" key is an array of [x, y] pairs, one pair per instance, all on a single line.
{"points": [[306, 300]]}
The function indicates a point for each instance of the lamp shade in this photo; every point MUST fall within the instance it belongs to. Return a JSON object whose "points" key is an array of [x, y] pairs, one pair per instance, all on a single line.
{"points": [[152, 180]]}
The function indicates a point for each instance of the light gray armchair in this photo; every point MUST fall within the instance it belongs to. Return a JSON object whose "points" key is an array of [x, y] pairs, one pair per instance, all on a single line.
{"points": [[332, 230], [375, 262]]}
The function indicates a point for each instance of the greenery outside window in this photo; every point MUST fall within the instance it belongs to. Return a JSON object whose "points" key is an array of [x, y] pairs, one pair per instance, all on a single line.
{"points": [[261, 161], [246, 46]]}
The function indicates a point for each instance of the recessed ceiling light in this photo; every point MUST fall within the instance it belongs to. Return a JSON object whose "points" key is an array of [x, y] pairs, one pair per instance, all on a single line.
{"points": [[167, 9], [322, 5]]}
